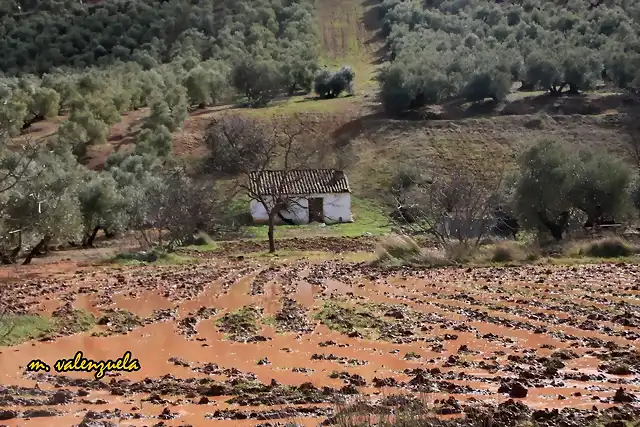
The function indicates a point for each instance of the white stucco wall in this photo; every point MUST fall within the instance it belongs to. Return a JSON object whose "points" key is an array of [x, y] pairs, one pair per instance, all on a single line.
{"points": [[335, 207], [298, 212]]}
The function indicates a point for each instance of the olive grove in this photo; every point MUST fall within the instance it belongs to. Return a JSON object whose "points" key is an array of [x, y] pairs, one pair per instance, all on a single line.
{"points": [[476, 50]]}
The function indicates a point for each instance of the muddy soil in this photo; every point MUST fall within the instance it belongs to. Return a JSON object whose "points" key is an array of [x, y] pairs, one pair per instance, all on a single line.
{"points": [[231, 340]]}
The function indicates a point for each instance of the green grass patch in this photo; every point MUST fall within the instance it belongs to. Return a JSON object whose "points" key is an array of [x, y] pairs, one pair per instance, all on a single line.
{"points": [[369, 219], [16, 329], [74, 322], [209, 247], [346, 29], [118, 322], [304, 103], [240, 324], [20, 328], [270, 321], [202, 243], [287, 255], [347, 319]]}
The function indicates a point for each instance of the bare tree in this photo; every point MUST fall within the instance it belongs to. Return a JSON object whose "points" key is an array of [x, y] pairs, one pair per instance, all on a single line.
{"points": [[264, 158], [449, 205]]}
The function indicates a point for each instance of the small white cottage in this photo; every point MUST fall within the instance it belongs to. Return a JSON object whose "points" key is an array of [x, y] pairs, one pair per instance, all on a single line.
{"points": [[311, 195]]}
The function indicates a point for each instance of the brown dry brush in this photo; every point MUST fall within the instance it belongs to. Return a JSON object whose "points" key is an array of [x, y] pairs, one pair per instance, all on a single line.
{"points": [[450, 206], [6, 326]]}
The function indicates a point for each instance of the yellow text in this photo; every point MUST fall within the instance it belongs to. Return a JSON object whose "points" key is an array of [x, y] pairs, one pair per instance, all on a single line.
{"points": [[37, 365], [79, 363]]}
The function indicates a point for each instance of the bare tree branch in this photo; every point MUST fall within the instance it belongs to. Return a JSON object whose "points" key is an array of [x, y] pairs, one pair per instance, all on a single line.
{"points": [[449, 205], [250, 150]]}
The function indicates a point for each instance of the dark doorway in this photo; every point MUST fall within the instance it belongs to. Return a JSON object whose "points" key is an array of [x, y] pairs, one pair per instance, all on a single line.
{"points": [[316, 209]]}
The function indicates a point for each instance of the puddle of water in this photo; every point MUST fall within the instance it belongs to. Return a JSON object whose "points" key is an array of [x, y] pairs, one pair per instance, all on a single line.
{"points": [[154, 344], [238, 295], [337, 286], [270, 300], [143, 304], [304, 293], [86, 303], [207, 298], [48, 306]]}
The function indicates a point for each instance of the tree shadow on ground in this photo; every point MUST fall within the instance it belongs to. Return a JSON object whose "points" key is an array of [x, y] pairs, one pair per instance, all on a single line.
{"points": [[370, 125], [565, 104], [373, 22]]}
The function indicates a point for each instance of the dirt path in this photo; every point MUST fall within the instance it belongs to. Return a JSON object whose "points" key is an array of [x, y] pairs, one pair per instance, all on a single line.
{"points": [[243, 341], [348, 32]]}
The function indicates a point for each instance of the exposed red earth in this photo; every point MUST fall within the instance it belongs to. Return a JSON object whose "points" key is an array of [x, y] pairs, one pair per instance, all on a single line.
{"points": [[250, 342]]}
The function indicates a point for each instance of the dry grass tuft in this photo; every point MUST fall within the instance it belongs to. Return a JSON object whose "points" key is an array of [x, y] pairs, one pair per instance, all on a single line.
{"points": [[402, 249], [509, 251], [607, 247]]}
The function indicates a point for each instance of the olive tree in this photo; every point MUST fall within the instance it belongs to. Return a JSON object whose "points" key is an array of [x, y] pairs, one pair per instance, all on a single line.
{"points": [[331, 85], [44, 206], [42, 103], [103, 206], [542, 189], [205, 86], [161, 196], [258, 80], [81, 130], [64, 85], [298, 67], [13, 110], [555, 185], [169, 109], [15, 168], [575, 68], [156, 141]]}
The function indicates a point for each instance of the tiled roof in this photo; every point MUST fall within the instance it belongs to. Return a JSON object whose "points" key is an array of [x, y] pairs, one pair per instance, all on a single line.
{"points": [[307, 181]]}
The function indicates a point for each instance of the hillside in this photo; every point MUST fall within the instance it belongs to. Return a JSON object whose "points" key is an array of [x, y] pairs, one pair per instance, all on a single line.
{"points": [[438, 104]]}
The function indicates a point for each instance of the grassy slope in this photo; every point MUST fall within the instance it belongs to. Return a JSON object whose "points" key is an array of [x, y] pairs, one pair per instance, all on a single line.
{"points": [[348, 35]]}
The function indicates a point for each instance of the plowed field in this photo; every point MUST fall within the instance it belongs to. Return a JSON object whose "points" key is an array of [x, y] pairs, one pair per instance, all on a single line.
{"points": [[242, 342]]}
